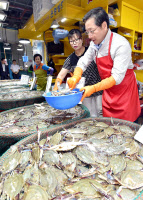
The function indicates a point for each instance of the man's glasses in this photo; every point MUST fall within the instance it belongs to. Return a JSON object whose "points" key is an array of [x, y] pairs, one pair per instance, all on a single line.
{"points": [[91, 31], [74, 41]]}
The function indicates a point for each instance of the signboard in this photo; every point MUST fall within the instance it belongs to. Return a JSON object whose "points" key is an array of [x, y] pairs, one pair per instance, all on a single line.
{"points": [[24, 79], [45, 22], [33, 83]]}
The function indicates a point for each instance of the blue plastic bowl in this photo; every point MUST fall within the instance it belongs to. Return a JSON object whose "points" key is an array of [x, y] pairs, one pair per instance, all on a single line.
{"points": [[64, 102]]}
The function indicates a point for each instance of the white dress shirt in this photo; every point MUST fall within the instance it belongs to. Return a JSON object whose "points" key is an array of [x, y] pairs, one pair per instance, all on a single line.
{"points": [[15, 68], [3, 67], [120, 53]]}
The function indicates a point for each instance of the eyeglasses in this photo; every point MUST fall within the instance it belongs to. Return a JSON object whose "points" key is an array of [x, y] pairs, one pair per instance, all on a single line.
{"points": [[74, 41], [91, 31]]}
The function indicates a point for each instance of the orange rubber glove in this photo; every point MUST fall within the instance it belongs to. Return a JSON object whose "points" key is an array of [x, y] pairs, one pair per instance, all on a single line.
{"points": [[104, 84], [76, 77], [55, 86]]}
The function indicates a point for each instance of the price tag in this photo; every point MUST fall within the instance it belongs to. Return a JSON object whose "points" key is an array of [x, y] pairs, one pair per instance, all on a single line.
{"points": [[33, 83], [24, 79], [49, 82], [139, 135]]}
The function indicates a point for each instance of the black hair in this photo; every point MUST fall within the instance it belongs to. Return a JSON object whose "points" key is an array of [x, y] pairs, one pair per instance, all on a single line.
{"points": [[14, 60], [74, 31], [2, 59], [99, 15], [37, 55]]}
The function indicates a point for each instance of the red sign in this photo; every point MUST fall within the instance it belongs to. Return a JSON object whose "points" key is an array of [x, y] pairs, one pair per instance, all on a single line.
{"points": [[89, 1]]}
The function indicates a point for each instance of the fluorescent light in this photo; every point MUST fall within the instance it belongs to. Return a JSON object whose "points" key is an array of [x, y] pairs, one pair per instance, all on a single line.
{"points": [[19, 45], [2, 15], [19, 49], [55, 24], [4, 5], [7, 47], [63, 20], [24, 41], [38, 36]]}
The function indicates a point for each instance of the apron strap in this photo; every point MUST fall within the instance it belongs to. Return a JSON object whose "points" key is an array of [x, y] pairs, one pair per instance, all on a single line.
{"points": [[110, 43]]}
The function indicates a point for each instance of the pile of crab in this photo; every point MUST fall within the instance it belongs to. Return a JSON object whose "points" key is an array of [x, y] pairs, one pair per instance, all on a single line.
{"points": [[92, 160], [25, 119], [21, 95]]}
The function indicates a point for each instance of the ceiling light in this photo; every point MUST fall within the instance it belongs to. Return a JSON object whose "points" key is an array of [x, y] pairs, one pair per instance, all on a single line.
{"points": [[55, 24], [38, 36], [7, 46], [19, 49], [2, 15], [19, 45], [4, 5], [24, 41], [63, 20]]}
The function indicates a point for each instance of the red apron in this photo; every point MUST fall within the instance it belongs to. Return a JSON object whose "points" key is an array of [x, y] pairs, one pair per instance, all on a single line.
{"points": [[120, 101]]}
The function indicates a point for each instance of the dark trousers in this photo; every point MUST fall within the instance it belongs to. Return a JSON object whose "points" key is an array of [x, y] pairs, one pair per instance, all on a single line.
{"points": [[15, 76], [4, 76]]}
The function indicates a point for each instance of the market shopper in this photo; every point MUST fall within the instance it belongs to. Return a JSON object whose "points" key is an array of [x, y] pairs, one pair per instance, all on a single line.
{"points": [[41, 71], [15, 69], [94, 102], [112, 54], [4, 70]]}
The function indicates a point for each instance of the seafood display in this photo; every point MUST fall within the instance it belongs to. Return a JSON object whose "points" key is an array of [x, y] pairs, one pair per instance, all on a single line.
{"points": [[13, 82], [26, 119], [90, 160], [20, 95], [63, 92], [8, 89]]}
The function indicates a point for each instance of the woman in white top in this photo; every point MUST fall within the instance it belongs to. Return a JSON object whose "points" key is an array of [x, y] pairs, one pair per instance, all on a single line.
{"points": [[15, 69]]}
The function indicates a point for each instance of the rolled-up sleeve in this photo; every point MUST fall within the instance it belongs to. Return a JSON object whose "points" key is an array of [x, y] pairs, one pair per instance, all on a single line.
{"points": [[45, 67], [121, 60]]}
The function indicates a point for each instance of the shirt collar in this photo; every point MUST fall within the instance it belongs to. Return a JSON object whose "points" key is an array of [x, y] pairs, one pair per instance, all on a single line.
{"points": [[103, 43], [99, 45]]}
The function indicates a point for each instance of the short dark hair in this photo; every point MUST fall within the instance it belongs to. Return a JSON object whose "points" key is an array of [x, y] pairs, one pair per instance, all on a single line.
{"points": [[37, 55], [99, 15], [14, 60], [74, 31], [2, 59]]}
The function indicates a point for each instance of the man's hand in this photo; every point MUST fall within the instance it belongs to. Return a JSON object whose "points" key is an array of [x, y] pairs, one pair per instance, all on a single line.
{"points": [[103, 85], [88, 91]]}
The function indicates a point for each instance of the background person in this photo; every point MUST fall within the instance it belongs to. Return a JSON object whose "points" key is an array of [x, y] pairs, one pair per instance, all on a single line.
{"points": [[4, 70], [41, 71], [112, 54], [94, 102], [15, 70]]}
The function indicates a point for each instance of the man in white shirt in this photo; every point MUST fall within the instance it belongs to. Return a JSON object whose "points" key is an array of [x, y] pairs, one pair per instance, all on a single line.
{"points": [[112, 54], [15, 69]]}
